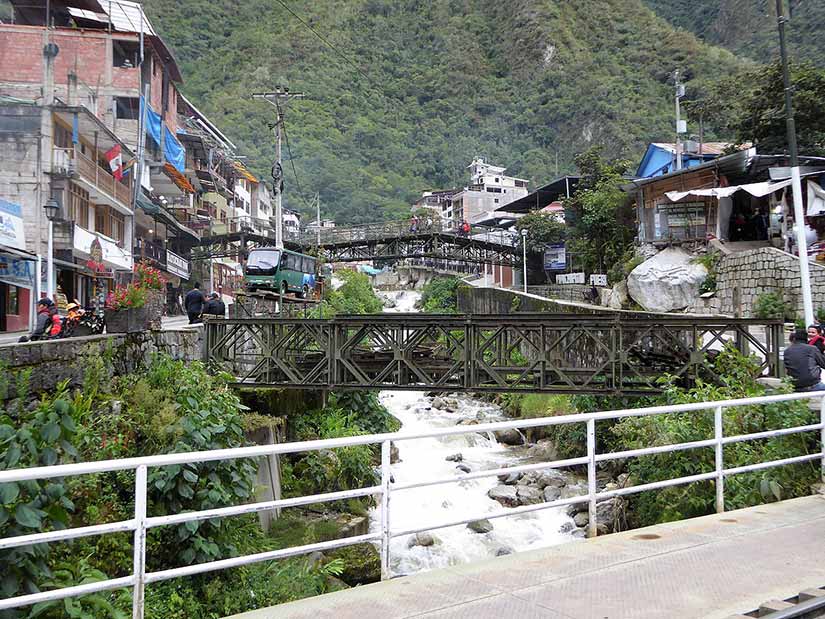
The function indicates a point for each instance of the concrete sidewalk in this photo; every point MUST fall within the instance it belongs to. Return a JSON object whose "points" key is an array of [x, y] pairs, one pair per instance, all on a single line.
{"points": [[710, 567]]}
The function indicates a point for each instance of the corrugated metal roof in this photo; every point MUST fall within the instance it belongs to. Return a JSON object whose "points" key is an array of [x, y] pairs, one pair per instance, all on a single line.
{"points": [[708, 148], [125, 16]]}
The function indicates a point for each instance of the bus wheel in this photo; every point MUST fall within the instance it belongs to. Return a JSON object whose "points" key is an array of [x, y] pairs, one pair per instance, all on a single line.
{"points": [[305, 291], [284, 288]]}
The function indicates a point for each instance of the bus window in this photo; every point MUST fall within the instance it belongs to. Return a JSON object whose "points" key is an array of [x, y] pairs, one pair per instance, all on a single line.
{"points": [[309, 265], [263, 261]]}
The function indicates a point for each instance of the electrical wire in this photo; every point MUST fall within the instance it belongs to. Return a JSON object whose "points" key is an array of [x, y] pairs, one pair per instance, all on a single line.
{"points": [[292, 164]]}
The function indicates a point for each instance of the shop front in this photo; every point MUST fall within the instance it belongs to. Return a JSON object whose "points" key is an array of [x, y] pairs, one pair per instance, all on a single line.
{"points": [[101, 264], [17, 270]]}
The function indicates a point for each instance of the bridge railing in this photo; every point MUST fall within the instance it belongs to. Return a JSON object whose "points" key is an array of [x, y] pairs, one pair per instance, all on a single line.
{"points": [[399, 229], [535, 352], [142, 522]]}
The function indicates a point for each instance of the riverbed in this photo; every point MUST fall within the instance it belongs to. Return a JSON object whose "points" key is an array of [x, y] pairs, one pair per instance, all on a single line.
{"points": [[423, 459]]}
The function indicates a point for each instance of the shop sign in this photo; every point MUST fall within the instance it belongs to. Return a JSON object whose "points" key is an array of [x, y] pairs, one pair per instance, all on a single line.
{"points": [[177, 265], [555, 257], [12, 233], [17, 271], [570, 278], [110, 254], [598, 279]]}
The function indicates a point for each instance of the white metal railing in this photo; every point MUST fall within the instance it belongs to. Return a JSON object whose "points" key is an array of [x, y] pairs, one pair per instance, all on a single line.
{"points": [[142, 522]]}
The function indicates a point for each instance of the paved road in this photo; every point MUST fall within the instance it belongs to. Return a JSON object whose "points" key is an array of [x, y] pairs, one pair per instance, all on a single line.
{"points": [[709, 568], [169, 322]]}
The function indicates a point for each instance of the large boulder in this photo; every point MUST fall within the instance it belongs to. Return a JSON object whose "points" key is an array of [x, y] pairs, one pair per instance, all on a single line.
{"points": [[510, 436], [618, 297], [362, 564], [528, 495], [480, 526], [669, 281], [506, 495]]}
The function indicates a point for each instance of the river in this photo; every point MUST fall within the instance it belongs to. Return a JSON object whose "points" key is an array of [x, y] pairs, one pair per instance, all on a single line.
{"points": [[426, 459]]}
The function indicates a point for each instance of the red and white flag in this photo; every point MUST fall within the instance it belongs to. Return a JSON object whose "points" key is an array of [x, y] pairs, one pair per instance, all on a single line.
{"points": [[115, 159]]}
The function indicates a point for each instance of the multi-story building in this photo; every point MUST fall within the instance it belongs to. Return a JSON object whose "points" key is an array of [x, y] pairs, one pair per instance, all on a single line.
{"points": [[489, 189]]}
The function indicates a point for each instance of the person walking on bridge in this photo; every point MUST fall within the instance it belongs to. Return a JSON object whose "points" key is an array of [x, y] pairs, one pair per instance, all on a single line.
{"points": [[413, 223], [804, 363]]}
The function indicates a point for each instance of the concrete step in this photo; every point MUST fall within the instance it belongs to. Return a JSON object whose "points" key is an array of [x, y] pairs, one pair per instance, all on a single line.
{"points": [[771, 606]]}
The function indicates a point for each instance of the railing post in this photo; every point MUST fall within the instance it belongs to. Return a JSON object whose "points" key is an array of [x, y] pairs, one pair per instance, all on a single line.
{"points": [[822, 437], [720, 465], [140, 542], [386, 474], [591, 478]]}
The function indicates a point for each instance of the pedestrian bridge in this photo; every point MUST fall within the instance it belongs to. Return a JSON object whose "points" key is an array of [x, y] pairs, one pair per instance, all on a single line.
{"points": [[552, 353], [714, 567]]}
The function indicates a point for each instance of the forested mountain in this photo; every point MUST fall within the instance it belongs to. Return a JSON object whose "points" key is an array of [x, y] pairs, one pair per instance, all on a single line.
{"points": [[748, 27], [434, 83]]}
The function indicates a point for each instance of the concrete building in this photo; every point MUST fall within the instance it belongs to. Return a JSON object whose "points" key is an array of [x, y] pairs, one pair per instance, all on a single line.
{"points": [[439, 203], [489, 190]]}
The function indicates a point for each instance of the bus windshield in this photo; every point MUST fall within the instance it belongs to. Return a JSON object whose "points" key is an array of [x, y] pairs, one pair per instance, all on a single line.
{"points": [[263, 261]]}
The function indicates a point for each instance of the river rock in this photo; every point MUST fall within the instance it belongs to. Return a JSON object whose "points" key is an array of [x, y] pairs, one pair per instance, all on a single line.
{"points": [[566, 527], [610, 515], [551, 493], [545, 450], [528, 495], [575, 489], [509, 437], [454, 458], [438, 403], [549, 477], [503, 550], [506, 495], [618, 296], [422, 539], [509, 479], [362, 563], [464, 468], [669, 281], [467, 422], [480, 526], [579, 533], [581, 519]]}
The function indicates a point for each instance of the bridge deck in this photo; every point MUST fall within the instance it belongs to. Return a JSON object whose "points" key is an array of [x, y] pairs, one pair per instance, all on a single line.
{"points": [[710, 567]]}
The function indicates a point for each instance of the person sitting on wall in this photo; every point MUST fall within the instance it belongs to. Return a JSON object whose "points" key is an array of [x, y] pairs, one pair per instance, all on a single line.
{"points": [[815, 337], [804, 363], [214, 306], [43, 322]]}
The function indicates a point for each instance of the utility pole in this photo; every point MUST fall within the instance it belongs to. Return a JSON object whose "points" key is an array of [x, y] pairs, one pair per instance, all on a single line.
{"points": [[796, 179], [318, 219], [681, 125], [280, 97]]}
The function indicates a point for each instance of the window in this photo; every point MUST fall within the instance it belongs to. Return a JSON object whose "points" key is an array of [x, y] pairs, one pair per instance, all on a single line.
{"points": [[79, 205], [118, 227], [125, 54], [62, 136], [127, 108], [495, 200], [13, 301], [101, 220], [496, 179], [494, 189]]}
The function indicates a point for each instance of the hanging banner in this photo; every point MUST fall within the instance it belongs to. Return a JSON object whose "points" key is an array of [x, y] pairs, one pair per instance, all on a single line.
{"points": [[12, 233]]}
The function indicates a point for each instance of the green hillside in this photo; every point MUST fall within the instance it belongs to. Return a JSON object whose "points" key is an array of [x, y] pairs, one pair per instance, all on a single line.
{"points": [[749, 28], [518, 83]]}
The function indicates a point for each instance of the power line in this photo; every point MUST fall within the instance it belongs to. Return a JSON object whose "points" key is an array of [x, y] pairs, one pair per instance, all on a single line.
{"points": [[329, 44], [292, 164]]}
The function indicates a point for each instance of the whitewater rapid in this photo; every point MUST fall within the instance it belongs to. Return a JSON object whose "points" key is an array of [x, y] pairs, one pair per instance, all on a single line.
{"points": [[424, 459]]}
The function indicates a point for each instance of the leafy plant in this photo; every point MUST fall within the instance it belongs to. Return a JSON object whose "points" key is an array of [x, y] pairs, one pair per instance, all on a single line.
{"points": [[770, 305], [710, 261], [73, 573], [131, 296], [42, 436], [440, 295]]}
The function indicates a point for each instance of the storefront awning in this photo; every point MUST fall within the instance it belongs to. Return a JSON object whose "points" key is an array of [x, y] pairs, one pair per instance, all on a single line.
{"points": [[179, 179], [757, 190], [114, 257]]}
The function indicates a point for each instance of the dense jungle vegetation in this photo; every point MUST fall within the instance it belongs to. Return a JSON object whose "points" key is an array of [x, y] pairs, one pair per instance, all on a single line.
{"points": [[524, 83]]}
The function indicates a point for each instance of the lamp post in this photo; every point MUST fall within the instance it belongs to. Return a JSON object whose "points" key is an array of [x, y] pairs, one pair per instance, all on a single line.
{"points": [[524, 257], [52, 208]]}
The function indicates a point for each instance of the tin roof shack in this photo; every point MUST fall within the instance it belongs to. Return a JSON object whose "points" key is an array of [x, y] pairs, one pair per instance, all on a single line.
{"points": [[733, 198]]}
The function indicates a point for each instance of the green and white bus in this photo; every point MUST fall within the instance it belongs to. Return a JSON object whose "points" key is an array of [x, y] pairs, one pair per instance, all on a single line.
{"points": [[280, 270]]}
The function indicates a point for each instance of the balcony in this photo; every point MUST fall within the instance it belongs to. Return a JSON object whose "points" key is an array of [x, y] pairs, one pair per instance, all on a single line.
{"points": [[101, 185], [150, 250]]}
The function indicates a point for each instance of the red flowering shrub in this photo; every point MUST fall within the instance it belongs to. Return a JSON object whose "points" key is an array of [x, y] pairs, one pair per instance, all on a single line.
{"points": [[131, 296], [148, 276]]}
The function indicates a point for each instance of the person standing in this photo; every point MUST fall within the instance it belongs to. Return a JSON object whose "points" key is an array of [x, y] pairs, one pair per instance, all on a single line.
{"points": [[804, 363], [194, 304], [214, 306]]}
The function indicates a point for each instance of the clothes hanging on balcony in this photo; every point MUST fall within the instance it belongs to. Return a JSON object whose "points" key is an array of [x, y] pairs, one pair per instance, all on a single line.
{"points": [[173, 151]]}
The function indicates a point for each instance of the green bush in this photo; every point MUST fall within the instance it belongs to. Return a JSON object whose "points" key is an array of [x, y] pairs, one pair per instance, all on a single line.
{"points": [[770, 305], [440, 295], [355, 296]]}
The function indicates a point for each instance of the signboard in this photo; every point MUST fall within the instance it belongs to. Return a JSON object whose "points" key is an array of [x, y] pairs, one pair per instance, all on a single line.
{"points": [[598, 279], [11, 225], [555, 257], [177, 265], [570, 278], [17, 271], [110, 254]]}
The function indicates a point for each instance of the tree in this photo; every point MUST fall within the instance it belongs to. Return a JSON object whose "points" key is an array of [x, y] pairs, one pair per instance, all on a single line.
{"points": [[599, 216]]}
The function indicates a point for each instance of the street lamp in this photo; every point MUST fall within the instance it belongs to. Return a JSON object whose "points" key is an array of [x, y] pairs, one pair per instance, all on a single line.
{"points": [[524, 262], [52, 208]]}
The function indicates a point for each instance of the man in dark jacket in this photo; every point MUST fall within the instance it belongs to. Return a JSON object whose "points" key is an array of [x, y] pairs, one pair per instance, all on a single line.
{"points": [[215, 306], [43, 322], [194, 304], [804, 363]]}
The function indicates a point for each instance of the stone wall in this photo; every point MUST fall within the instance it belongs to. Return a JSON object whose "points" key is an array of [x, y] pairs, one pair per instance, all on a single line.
{"points": [[54, 361], [743, 277]]}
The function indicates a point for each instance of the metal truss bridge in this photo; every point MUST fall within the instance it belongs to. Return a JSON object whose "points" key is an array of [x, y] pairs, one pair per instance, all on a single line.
{"points": [[552, 353], [382, 242]]}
